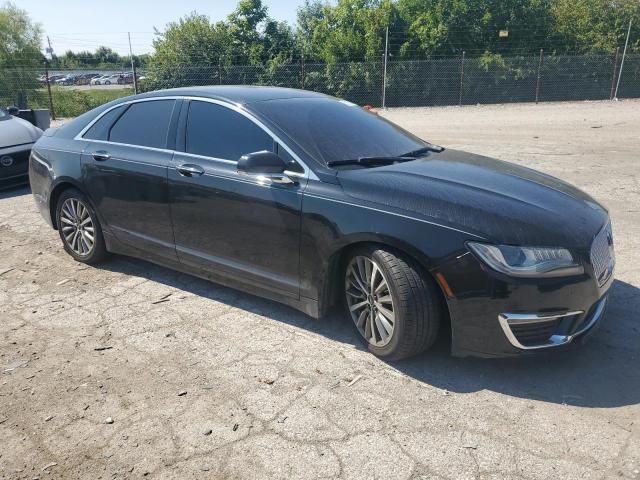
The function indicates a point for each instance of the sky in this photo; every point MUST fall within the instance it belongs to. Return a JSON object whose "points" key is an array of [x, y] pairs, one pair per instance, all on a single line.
{"points": [[87, 24]]}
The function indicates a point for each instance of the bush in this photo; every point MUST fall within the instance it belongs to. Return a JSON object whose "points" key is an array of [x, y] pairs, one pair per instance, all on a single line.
{"points": [[71, 103]]}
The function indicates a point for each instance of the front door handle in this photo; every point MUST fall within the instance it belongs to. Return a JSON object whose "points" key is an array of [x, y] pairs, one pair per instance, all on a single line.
{"points": [[190, 170], [101, 156]]}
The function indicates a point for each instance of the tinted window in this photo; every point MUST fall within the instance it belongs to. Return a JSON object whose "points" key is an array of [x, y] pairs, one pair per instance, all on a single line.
{"points": [[100, 129], [144, 123], [328, 129], [292, 165], [216, 131]]}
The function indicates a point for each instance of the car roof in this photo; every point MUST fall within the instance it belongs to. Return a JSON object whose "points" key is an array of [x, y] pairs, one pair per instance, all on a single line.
{"points": [[239, 94]]}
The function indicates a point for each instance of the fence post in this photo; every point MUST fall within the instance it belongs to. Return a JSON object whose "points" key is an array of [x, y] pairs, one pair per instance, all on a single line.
{"points": [[624, 54], [220, 70], [615, 69], [384, 69], [46, 73], [538, 79], [302, 71], [461, 78]]}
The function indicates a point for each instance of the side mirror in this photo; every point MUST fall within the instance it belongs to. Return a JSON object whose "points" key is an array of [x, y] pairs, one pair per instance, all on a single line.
{"points": [[13, 110], [266, 167]]}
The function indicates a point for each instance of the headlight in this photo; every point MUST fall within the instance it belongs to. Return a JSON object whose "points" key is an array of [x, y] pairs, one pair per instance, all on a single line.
{"points": [[527, 261]]}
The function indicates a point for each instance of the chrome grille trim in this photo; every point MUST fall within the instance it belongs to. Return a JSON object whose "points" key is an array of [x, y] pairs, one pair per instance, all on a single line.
{"points": [[602, 259]]}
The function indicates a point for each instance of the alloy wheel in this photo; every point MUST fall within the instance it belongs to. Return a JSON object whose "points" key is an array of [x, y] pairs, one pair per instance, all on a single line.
{"points": [[369, 300], [77, 226]]}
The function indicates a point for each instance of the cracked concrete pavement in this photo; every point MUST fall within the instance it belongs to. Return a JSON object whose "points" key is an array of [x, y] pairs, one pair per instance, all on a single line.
{"points": [[271, 393]]}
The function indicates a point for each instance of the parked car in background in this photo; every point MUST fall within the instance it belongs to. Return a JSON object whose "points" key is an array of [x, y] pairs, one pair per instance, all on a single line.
{"points": [[68, 80], [98, 80], [85, 78], [114, 79], [126, 79], [52, 79], [315, 202], [17, 136]]}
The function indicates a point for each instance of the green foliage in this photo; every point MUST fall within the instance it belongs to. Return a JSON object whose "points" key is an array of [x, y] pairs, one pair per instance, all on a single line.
{"points": [[596, 25], [19, 54], [102, 58], [71, 103]]}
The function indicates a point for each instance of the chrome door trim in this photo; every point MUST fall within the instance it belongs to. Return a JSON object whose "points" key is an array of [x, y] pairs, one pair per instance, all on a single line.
{"points": [[308, 173]]}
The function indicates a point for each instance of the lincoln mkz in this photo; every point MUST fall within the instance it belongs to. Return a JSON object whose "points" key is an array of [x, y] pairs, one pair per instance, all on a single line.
{"points": [[314, 202]]}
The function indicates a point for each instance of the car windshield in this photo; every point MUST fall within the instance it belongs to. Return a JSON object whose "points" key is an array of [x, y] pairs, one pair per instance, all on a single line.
{"points": [[4, 114], [330, 130]]}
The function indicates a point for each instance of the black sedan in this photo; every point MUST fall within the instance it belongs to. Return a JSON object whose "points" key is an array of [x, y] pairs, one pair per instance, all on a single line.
{"points": [[314, 202]]}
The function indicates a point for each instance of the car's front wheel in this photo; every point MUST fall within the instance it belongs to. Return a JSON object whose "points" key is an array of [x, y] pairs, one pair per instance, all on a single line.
{"points": [[394, 306], [79, 227]]}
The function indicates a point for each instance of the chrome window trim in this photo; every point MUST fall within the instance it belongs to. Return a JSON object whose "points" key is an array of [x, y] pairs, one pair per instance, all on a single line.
{"points": [[308, 173]]}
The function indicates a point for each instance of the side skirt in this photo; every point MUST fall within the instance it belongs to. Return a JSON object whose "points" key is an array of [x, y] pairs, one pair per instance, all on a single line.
{"points": [[305, 305]]}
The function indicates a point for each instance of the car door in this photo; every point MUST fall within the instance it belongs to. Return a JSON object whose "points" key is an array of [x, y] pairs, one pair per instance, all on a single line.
{"points": [[224, 222], [124, 170]]}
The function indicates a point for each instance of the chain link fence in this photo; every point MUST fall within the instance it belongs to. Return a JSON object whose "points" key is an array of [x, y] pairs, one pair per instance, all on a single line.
{"points": [[429, 82]]}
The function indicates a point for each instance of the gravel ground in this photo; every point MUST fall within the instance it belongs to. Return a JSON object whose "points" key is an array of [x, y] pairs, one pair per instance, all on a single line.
{"points": [[132, 370]]}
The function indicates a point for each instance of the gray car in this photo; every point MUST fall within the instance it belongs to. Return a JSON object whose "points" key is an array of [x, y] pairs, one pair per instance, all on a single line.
{"points": [[17, 136]]}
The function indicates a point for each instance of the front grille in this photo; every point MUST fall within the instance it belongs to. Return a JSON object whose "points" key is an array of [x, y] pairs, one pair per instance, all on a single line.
{"points": [[602, 255], [535, 333], [19, 164]]}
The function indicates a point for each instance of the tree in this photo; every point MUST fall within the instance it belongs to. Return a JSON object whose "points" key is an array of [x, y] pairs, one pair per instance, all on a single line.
{"points": [[449, 27], [19, 55], [350, 30], [588, 26]]}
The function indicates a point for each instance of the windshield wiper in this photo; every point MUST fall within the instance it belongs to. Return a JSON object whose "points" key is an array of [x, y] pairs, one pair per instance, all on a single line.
{"points": [[369, 161], [406, 157], [424, 150]]}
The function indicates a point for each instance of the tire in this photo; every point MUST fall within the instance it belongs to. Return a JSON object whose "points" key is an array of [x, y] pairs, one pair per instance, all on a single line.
{"points": [[107, 82], [77, 224], [410, 303]]}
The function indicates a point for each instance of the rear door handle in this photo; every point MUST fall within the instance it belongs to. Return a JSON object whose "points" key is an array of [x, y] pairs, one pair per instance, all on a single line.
{"points": [[101, 156], [190, 170]]}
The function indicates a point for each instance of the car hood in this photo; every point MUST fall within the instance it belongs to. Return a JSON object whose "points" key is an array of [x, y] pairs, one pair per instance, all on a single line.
{"points": [[16, 131], [496, 200]]}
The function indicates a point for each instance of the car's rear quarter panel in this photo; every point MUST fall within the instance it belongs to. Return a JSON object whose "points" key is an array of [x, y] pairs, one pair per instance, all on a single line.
{"points": [[53, 162]]}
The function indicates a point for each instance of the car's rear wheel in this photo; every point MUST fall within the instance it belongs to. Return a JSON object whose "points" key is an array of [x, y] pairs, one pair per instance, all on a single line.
{"points": [[395, 308], [79, 227]]}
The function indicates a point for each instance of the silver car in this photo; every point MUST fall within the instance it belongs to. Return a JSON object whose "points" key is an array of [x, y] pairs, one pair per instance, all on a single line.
{"points": [[17, 136]]}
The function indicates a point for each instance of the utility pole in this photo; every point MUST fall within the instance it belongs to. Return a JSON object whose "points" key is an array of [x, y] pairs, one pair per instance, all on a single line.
{"points": [[624, 54], [46, 72], [384, 71], [50, 49], [133, 66]]}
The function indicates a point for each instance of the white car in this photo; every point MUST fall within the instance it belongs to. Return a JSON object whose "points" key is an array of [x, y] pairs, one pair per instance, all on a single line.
{"points": [[98, 80], [112, 80], [17, 136]]}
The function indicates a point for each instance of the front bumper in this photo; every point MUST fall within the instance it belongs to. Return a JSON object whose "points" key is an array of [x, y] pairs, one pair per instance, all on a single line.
{"points": [[14, 165], [539, 331], [493, 315]]}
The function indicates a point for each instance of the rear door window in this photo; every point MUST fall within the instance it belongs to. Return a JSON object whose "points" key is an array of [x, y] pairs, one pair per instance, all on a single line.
{"points": [[144, 123], [100, 129], [219, 132]]}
